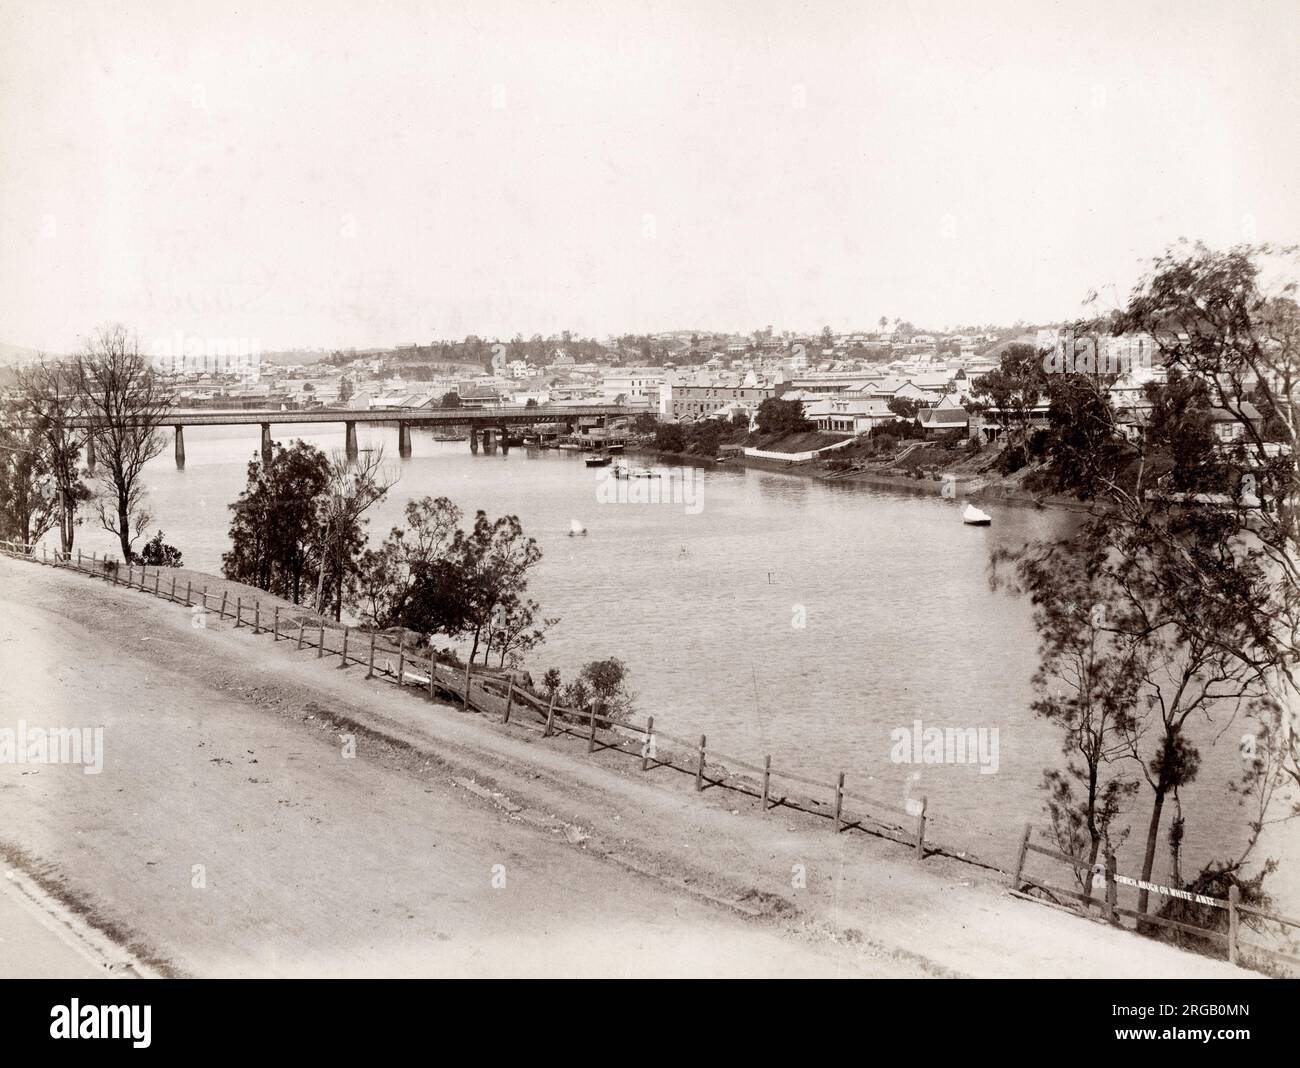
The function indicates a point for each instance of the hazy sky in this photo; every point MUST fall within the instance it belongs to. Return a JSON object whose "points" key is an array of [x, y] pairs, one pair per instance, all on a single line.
{"points": [[336, 173]]}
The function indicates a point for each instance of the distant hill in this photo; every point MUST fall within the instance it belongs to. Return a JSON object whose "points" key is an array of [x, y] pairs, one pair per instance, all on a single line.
{"points": [[14, 355]]}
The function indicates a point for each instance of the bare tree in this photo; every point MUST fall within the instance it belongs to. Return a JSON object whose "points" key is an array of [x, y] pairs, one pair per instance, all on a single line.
{"points": [[128, 405]]}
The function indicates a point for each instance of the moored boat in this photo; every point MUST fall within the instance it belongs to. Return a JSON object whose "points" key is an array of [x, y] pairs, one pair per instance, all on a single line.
{"points": [[973, 517], [598, 461]]}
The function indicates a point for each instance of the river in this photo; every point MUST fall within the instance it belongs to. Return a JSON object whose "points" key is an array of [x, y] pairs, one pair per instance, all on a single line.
{"points": [[772, 612]]}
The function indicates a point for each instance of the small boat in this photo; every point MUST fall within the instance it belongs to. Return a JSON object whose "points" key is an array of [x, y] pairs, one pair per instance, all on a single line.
{"points": [[576, 529], [598, 461], [613, 448], [973, 517]]}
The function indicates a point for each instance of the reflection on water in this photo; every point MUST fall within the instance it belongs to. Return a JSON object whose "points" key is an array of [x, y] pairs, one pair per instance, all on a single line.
{"points": [[784, 616]]}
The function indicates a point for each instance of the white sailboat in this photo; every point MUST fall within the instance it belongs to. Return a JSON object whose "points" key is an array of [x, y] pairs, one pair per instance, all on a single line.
{"points": [[576, 529], [973, 517]]}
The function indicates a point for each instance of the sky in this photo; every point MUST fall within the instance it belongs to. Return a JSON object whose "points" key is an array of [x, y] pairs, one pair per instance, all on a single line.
{"points": [[337, 174]]}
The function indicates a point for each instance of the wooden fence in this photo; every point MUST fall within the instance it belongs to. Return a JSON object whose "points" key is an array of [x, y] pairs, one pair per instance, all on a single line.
{"points": [[1112, 911], [500, 697]]}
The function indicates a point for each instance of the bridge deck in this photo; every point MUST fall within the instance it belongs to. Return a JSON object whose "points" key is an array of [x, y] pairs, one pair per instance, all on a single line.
{"points": [[493, 417]]}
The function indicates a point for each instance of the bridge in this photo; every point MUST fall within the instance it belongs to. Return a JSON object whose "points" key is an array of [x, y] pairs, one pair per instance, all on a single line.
{"points": [[484, 421]]}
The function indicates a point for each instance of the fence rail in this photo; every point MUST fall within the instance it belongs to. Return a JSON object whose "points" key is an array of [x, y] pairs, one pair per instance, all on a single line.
{"points": [[1112, 911], [502, 697]]}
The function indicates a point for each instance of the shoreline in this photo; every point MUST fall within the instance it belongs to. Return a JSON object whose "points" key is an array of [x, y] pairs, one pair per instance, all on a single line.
{"points": [[997, 491]]}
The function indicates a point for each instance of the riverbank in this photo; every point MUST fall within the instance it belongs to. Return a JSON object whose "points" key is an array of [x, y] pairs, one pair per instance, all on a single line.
{"points": [[446, 844], [979, 488]]}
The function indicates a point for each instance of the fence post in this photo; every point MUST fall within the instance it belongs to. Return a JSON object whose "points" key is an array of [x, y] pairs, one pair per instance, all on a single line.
{"points": [[302, 626], [767, 780], [78, 559], [45, 555], [550, 717], [839, 801], [433, 664], [157, 581], [320, 641], [275, 623], [370, 672], [920, 829], [591, 731], [1112, 889], [510, 696], [649, 743], [344, 661], [224, 595], [239, 612], [205, 598], [257, 617], [172, 596], [1234, 899], [467, 708], [1020, 857], [401, 658], [699, 771], [187, 594]]}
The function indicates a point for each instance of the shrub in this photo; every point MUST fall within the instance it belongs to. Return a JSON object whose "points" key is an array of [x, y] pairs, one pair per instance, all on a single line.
{"points": [[157, 553]]}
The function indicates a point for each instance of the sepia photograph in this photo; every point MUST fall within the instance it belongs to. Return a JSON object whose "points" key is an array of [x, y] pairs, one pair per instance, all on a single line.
{"points": [[649, 490]]}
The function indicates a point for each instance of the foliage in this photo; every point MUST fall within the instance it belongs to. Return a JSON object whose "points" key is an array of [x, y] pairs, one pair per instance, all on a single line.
{"points": [[274, 527], [157, 553], [777, 416]]}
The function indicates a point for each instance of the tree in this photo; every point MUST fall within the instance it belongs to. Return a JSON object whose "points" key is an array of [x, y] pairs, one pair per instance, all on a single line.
{"points": [[1013, 392], [492, 562], [516, 630], [274, 527], [29, 496], [128, 405], [606, 682], [451, 399], [1087, 683], [345, 389], [46, 399], [354, 487], [1215, 319], [670, 437], [394, 577], [157, 553], [903, 407], [776, 416]]}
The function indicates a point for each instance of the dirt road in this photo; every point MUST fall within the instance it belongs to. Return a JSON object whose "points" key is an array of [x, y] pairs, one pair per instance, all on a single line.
{"points": [[233, 832]]}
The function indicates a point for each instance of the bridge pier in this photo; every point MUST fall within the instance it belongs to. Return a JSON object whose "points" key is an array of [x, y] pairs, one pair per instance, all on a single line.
{"points": [[488, 444], [90, 453], [266, 444], [505, 441], [473, 439], [350, 442], [404, 440], [180, 448]]}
